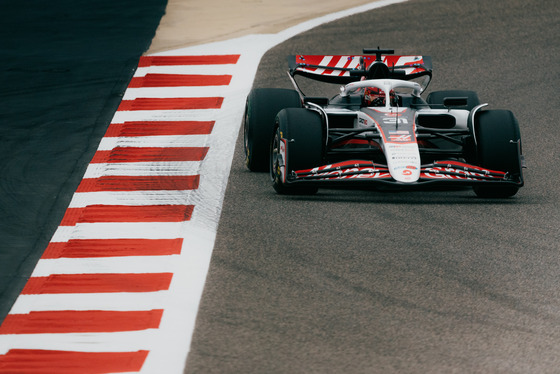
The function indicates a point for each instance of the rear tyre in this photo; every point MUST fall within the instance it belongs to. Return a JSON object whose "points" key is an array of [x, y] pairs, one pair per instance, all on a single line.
{"points": [[297, 144], [498, 148], [437, 97], [258, 122]]}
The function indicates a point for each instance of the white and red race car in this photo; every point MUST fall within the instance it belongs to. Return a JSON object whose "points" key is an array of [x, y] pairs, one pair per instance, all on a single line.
{"points": [[379, 130]]}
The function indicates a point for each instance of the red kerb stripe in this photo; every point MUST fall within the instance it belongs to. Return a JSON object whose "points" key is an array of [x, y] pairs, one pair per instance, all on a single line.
{"points": [[97, 283], [36, 361], [80, 321], [187, 60], [139, 183], [179, 80], [150, 154], [83, 248], [125, 213], [171, 104], [151, 128]]}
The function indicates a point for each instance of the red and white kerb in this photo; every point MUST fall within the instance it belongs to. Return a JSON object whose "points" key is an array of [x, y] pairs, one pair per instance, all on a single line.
{"points": [[97, 299]]}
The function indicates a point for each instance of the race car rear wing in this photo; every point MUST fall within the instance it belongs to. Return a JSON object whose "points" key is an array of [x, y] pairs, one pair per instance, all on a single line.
{"points": [[342, 69]]}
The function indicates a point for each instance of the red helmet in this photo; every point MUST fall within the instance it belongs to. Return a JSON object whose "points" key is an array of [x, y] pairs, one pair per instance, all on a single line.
{"points": [[373, 96]]}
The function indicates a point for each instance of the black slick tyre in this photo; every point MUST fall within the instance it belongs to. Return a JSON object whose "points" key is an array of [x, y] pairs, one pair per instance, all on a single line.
{"points": [[258, 122], [437, 98], [498, 147], [298, 144]]}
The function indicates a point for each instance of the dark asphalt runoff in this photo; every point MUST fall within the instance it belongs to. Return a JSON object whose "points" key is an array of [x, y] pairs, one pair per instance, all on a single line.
{"points": [[64, 66], [401, 282]]}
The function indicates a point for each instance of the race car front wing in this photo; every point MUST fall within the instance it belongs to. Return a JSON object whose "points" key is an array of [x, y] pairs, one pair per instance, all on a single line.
{"points": [[444, 172]]}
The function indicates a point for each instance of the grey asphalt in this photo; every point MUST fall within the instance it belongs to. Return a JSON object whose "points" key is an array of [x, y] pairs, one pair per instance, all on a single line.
{"points": [[401, 282]]}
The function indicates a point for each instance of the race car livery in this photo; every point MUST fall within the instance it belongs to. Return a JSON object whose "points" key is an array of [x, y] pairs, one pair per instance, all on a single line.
{"points": [[379, 130]]}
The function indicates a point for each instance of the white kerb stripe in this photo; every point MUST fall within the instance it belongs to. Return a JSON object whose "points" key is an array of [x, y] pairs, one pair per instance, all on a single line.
{"points": [[143, 168]]}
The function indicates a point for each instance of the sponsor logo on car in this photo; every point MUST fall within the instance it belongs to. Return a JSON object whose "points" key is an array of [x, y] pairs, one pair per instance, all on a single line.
{"points": [[400, 138]]}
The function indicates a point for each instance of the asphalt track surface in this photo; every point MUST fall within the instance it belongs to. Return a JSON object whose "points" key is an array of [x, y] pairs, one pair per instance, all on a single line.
{"points": [[403, 282], [65, 67], [344, 281]]}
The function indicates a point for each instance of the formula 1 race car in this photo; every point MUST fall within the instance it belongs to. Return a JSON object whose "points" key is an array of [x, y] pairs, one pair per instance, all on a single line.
{"points": [[379, 130]]}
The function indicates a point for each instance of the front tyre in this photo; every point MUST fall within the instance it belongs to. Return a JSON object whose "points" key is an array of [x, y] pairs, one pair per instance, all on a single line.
{"points": [[498, 147], [298, 144], [258, 122]]}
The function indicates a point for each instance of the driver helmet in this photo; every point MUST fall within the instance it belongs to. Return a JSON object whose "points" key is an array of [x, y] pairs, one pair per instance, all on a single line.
{"points": [[373, 96]]}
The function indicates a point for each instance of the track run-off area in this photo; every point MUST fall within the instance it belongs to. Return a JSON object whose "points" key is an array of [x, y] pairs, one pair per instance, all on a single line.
{"points": [[118, 287]]}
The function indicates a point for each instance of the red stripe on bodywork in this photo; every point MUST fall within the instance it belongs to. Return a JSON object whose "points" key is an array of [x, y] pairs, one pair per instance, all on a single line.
{"points": [[171, 104], [84, 248], [187, 60], [150, 154], [80, 321], [97, 283], [179, 80], [310, 59], [346, 64], [37, 361], [139, 183], [391, 61], [124, 213], [151, 128], [332, 63], [361, 142]]}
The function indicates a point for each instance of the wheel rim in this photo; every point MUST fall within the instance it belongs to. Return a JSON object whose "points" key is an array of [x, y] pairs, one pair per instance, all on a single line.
{"points": [[275, 157]]}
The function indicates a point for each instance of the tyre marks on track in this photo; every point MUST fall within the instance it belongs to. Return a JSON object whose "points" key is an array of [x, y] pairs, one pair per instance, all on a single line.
{"points": [[117, 288]]}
